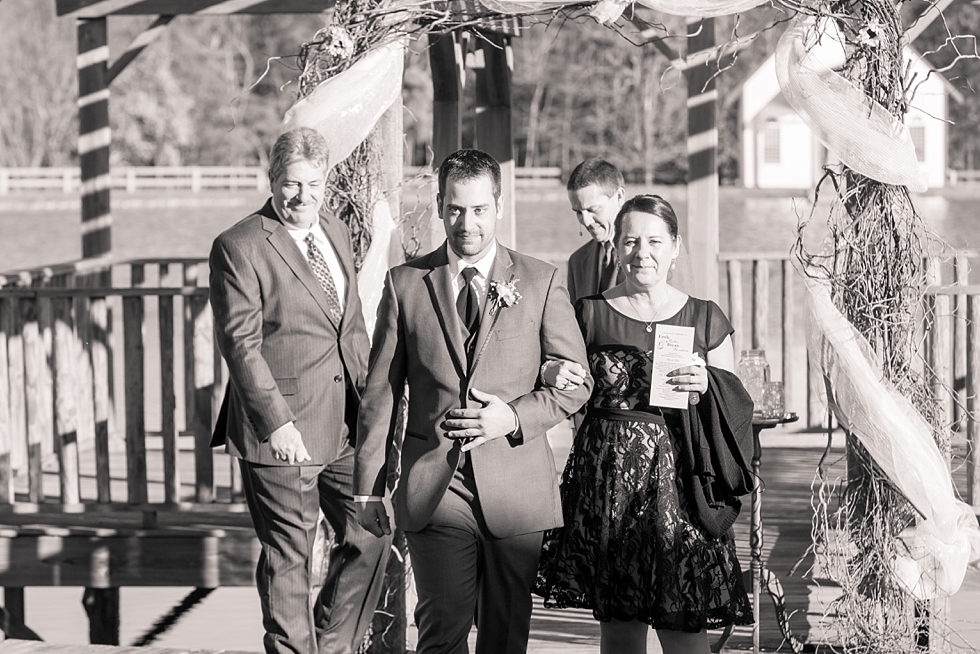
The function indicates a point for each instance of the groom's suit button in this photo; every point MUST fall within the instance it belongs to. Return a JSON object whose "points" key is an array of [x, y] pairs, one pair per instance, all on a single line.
{"points": [[338, 378]]}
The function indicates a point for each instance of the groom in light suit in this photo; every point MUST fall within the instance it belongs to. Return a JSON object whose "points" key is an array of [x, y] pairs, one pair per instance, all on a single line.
{"points": [[468, 326]]}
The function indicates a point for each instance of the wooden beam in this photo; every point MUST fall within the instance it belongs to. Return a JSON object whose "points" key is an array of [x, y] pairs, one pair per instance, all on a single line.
{"points": [[101, 8], [148, 36], [933, 11], [702, 166]]}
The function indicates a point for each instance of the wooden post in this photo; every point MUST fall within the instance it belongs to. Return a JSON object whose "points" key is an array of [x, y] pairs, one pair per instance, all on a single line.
{"points": [[15, 379], [446, 62], [493, 123], [702, 168], [102, 607], [94, 136], [390, 619]]}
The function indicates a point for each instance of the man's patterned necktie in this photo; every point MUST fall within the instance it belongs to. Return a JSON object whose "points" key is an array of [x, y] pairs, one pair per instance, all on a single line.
{"points": [[322, 272]]}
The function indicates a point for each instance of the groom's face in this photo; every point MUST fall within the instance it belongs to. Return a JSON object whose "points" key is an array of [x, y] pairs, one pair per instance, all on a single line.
{"points": [[470, 214]]}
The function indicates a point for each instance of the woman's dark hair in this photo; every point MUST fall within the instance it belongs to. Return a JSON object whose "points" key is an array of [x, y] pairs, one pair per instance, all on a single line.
{"points": [[651, 204]]}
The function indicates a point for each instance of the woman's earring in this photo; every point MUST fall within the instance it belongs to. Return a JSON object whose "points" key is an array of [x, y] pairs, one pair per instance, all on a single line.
{"points": [[673, 264], [579, 230]]}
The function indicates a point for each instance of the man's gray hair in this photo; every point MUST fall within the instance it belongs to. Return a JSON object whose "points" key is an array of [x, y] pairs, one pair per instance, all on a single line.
{"points": [[299, 143]]}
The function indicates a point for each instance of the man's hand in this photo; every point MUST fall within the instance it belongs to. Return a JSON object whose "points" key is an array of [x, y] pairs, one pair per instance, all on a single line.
{"points": [[287, 445], [373, 516], [561, 374], [493, 420]]}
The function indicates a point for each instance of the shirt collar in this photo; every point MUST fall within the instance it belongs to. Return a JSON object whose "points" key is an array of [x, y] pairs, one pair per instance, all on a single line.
{"points": [[299, 235], [483, 266]]}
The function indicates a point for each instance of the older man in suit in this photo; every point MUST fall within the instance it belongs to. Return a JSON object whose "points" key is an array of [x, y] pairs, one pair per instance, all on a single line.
{"points": [[467, 327], [288, 322]]}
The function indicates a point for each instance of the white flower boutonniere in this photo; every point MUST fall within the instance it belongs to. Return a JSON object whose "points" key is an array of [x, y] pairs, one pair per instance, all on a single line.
{"points": [[503, 294]]}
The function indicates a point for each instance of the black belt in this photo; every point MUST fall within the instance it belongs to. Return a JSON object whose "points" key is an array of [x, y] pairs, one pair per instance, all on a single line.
{"points": [[629, 415]]}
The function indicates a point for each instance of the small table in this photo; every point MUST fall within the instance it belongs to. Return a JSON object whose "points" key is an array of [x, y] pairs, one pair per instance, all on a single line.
{"points": [[757, 571]]}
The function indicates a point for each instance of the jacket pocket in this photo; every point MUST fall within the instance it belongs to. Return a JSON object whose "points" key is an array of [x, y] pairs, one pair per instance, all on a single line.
{"points": [[514, 332], [287, 386]]}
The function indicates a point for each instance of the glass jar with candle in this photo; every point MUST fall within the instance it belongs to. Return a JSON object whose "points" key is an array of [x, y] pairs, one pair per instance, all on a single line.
{"points": [[753, 370]]}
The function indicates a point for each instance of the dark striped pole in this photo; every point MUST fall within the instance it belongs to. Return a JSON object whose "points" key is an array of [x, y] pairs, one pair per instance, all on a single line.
{"points": [[94, 137], [702, 144], [494, 134]]}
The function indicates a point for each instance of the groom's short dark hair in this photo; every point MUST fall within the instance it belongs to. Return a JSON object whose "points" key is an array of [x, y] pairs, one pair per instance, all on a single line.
{"points": [[469, 164]]}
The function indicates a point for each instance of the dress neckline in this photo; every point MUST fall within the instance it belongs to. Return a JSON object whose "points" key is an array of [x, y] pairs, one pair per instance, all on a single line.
{"points": [[644, 322]]}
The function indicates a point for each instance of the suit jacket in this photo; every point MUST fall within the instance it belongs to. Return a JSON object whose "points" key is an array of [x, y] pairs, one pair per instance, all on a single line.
{"points": [[287, 359], [583, 272], [418, 339]]}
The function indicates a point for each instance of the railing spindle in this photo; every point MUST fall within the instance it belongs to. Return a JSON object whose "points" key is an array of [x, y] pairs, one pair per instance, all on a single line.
{"points": [[99, 352], [760, 304], [6, 426], [15, 380], [65, 410], [961, 278], [135, 424], [735, 306], [973, 403], [203, 357], [787, 328], [168, 400], [34, 362]]}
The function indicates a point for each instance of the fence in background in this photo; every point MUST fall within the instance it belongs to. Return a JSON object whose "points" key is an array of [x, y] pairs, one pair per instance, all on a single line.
{"points": [[195, 178]]}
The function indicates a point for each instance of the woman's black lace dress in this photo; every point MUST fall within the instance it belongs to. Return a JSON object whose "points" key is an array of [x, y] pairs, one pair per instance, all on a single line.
{"points": [[629, 549]]}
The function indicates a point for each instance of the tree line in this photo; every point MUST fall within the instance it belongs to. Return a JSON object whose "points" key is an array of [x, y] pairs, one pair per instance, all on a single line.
{"points": [[212, 91]]}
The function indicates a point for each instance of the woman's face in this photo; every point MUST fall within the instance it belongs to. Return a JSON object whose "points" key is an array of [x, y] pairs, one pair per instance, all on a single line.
{"points": [[646, 249]]}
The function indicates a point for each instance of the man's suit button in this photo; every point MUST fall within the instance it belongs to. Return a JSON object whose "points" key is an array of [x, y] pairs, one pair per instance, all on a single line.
{"points": [[338, 378]]}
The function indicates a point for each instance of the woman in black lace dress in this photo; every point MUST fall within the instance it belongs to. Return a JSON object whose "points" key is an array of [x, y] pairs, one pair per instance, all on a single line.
{"points": [[630, 550]]}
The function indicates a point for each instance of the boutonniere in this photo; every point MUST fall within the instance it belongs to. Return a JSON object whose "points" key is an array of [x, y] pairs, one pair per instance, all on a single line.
{"points": [[503, 294], [500, 295]]}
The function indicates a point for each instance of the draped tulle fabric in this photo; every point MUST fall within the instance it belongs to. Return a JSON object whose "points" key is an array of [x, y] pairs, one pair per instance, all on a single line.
{"points": [[945, 537], [856, 129]]}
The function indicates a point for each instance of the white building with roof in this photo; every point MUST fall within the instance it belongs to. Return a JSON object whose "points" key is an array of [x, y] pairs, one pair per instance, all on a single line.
{"points": [[780, 152]]}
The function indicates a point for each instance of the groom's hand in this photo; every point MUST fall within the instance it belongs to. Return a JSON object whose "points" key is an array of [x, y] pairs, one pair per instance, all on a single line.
{"points": [[373, 516], [492, 420]]}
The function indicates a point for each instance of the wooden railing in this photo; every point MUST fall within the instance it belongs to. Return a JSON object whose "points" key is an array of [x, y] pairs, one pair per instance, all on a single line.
{"points": [[106, 406], [957, 177]]}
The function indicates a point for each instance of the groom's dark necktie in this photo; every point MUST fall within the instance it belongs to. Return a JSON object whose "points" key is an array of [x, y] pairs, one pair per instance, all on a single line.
{"points": [[468, 308], [322, 272]]}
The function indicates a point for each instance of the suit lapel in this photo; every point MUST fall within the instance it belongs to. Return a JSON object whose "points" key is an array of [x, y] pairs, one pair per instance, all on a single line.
{"points": [[441, 291], [284, 244], [500, 271]]}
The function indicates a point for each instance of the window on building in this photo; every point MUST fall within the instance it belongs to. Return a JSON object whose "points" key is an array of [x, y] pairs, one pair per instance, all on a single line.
{"points": [[918, 134], [770, 143]]}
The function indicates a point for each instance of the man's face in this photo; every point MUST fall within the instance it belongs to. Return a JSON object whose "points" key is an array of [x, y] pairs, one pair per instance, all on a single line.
{"points": [[469, 213], [298, 193], [596, 210]]}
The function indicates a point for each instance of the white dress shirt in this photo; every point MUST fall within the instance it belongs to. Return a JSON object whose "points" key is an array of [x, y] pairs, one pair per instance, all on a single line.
{"points": [[482, 276]]}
